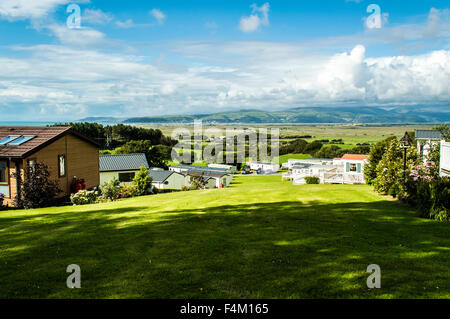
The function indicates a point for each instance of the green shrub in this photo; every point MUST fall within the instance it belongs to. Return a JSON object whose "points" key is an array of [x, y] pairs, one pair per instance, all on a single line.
{"points": [[110, 190], [142, 181], [129, 191], [84, 197], [433, 199], [311, 180]]}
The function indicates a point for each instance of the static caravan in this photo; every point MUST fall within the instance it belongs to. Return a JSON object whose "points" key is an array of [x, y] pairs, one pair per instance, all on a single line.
{"points": [[445, 159], [123, 167]]}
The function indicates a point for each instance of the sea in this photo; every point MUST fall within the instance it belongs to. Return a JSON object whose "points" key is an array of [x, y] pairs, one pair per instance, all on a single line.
{"points": [[26, 123]]}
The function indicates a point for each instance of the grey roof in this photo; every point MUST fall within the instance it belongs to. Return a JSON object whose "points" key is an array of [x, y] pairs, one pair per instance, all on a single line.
{"points": [[206, 173], [301, 166], [160, 176], [122, 162], [201, 168], [320, 159], [262, 163], [428, 134]]}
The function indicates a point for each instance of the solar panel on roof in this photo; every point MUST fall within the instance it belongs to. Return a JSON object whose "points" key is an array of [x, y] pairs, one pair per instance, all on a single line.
{"points": [[9, 139], [21, 140]]}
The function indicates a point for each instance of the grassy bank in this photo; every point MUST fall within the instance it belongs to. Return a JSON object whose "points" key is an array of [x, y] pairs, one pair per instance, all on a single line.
{"points": [[261, 238]]}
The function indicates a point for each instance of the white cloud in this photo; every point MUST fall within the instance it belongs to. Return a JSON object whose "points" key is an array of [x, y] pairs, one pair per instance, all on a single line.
{"points": [[30, 9], [78, 36], [263, 75], [259, 17], [125, 24], [92, 16], [158, 15]]}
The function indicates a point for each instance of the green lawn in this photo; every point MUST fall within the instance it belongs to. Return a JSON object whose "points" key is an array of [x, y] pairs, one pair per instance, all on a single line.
{"points": [[285, 158], [261, 238]]}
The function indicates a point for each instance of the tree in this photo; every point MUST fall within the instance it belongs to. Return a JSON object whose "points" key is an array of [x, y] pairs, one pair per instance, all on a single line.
{"points": [[133, 147], [198, 182], [313, 147], [445, 131], [389, 171], [330, 152], [159, 155], [362, 149], [294, 147], [142, 181], [376, 154], [37, 189]]}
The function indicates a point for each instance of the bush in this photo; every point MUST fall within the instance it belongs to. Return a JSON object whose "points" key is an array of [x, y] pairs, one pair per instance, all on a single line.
{"points": [[84, 197], [142, 181], [433, 199], [311, 180], [129, 191], [110, 190], [37, 189]]}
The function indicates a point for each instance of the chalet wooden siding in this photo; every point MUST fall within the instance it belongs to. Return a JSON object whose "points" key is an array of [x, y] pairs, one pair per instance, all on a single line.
{"points": [[81, 161]]}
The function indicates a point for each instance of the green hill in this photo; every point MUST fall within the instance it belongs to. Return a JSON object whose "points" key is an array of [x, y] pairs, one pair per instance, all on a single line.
{"points": [[313, 115]]}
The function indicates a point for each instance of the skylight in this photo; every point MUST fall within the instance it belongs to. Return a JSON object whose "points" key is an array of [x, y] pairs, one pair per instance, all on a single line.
{"points": [[9, 139], [21, 140]]}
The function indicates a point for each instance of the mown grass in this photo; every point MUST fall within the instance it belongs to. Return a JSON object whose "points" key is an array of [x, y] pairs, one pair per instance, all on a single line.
{"points": [[261, 238]]}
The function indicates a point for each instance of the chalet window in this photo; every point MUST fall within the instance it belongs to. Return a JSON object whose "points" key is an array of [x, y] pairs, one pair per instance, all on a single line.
{"points": [[62, 165], [126, 177], [3, 172]]}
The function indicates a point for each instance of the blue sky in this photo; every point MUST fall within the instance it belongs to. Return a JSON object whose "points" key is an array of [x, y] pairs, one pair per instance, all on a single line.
{"points": [[136, 58]]}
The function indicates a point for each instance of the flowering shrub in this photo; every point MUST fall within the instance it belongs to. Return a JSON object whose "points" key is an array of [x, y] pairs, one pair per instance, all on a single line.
{"points": [[426, 172], [84, 197], [111, 190], [420, 186], [128, 191]]}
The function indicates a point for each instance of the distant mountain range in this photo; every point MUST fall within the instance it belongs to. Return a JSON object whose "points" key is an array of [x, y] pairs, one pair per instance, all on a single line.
{"points": [[304, 115]]}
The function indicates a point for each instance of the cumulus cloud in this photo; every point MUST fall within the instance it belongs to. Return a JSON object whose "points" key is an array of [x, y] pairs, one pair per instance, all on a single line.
{"points": [[258, 18], [158, 15], [27, 9], [265, 75], [96, 17], [23, 9], [78, 36]]}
